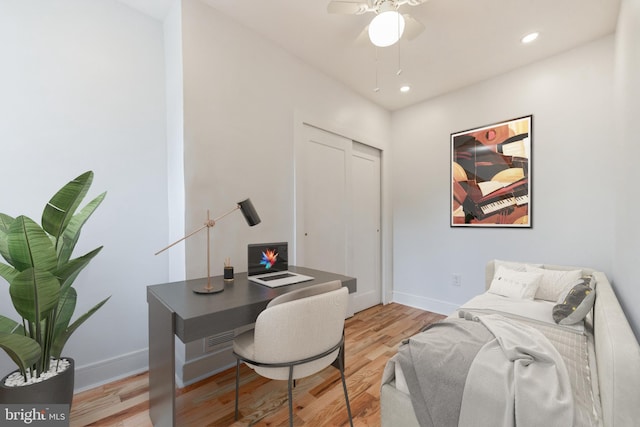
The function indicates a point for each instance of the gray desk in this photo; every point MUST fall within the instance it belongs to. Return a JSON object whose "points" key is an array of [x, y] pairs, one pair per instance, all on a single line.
{"points": [[174, 309]]}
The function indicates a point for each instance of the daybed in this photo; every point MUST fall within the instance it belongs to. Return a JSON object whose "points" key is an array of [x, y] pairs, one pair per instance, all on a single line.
{"points": [[599, 357]]}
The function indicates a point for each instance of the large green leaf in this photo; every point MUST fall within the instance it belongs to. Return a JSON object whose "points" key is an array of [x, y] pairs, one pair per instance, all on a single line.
{"points": [[72, 232], [29, 246], [69, 271], [5, 222], [10, 326], [7, 272], [18, 349], [66, 307], [34, 294], [61, 339], [60, 209], [22, 350]]}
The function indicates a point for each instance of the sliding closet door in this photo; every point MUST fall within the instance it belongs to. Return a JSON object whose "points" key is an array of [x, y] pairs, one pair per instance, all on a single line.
{"points": [[366, 234], [323, 210], [338, 210]]}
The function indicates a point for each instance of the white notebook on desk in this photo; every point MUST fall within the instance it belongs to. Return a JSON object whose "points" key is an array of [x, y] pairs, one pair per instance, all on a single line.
{"points": [[269, 265]]}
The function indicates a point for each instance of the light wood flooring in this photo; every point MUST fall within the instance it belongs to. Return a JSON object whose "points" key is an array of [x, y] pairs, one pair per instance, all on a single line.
{"points": [[372, 337]]}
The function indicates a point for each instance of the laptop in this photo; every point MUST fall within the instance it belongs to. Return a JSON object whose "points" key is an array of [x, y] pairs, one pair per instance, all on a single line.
{"points": [[269, 264]]}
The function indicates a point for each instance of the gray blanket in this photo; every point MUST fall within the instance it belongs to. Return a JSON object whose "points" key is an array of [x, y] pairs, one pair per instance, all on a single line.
{"points": [[460, 374], [435, 365]]}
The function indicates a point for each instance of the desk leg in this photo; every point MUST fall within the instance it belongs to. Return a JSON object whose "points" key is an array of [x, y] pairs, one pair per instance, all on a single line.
{"points": [[162, 379]]}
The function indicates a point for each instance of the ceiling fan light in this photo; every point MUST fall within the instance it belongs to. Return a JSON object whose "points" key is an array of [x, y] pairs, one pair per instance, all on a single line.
{"points": [[386, 28]]}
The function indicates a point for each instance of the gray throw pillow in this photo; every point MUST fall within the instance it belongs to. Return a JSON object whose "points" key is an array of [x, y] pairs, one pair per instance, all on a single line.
{"points": [[576, 305]]}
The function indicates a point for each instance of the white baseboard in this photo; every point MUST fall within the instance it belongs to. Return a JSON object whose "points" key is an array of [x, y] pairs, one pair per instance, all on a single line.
{"points": [[109, 370], [428, 304], [114, 369]]}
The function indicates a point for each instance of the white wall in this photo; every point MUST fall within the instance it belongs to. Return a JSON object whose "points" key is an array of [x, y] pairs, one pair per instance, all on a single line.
{"points": [[242, 95], [627, 248], [573, 149], [172, 24], [82, 87]]}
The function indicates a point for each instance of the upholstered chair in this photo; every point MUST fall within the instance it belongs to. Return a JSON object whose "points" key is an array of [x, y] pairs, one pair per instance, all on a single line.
{"points": [[297, 335]]}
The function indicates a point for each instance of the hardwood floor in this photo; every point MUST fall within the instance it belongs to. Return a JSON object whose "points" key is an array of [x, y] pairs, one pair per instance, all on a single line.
{"points": [[372, 337]]}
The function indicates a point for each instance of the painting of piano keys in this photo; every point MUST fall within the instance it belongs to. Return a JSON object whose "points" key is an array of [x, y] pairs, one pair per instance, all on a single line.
{"points": [[491, 175]]}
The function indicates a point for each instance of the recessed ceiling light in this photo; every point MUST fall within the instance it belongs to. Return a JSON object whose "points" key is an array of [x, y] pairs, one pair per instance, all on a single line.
{"points": [[529, 37], [405, 88]]}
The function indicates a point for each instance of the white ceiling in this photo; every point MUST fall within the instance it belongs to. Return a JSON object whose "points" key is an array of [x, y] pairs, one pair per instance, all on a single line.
{"points": [[464, 42]]}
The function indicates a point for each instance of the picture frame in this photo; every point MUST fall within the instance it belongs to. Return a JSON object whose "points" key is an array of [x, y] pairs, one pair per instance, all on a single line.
{"points": [[491, 175]]}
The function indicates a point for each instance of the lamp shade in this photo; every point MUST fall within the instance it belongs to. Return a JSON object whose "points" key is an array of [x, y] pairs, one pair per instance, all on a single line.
{"points": [[249, 212], [386, 28]]}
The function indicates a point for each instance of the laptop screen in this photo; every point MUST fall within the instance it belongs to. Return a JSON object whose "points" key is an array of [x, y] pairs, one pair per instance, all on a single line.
{"points": [[267, 258]]}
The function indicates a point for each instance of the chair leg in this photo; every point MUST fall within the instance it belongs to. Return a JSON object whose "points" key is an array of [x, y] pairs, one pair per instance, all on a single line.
{"points": [[290, 396], [344, 386], [237, 386]]}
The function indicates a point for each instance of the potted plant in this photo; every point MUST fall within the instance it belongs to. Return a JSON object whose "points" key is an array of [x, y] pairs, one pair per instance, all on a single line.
{"points": [[40, 274]]}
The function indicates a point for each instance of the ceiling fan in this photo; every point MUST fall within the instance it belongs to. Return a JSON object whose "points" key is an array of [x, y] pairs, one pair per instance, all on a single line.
{"points": [[388, 26]]}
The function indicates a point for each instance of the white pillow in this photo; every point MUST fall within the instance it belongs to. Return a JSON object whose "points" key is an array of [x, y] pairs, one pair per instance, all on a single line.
{"points": [[554, 283], [512, 265], [515, 284]]}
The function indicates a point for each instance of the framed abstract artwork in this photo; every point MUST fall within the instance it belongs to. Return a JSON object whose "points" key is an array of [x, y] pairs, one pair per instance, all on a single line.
{"points": [[491, 175]]}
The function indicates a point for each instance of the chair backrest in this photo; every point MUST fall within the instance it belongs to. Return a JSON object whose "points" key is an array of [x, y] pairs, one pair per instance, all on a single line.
{"points": [[302, 325], [306, 292]]}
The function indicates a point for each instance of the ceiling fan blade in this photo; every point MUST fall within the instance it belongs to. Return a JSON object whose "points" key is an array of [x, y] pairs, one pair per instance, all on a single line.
{"points": [[411, 2], [363, 37], [347, 7], [412, 27]]}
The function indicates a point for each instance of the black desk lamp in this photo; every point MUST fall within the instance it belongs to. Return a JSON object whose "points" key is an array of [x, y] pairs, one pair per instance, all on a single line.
{"points": [[250, 214]]}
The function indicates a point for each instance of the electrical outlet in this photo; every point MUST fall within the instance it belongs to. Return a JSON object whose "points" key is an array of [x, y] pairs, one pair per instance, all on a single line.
{"points": [[456, 280]]}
